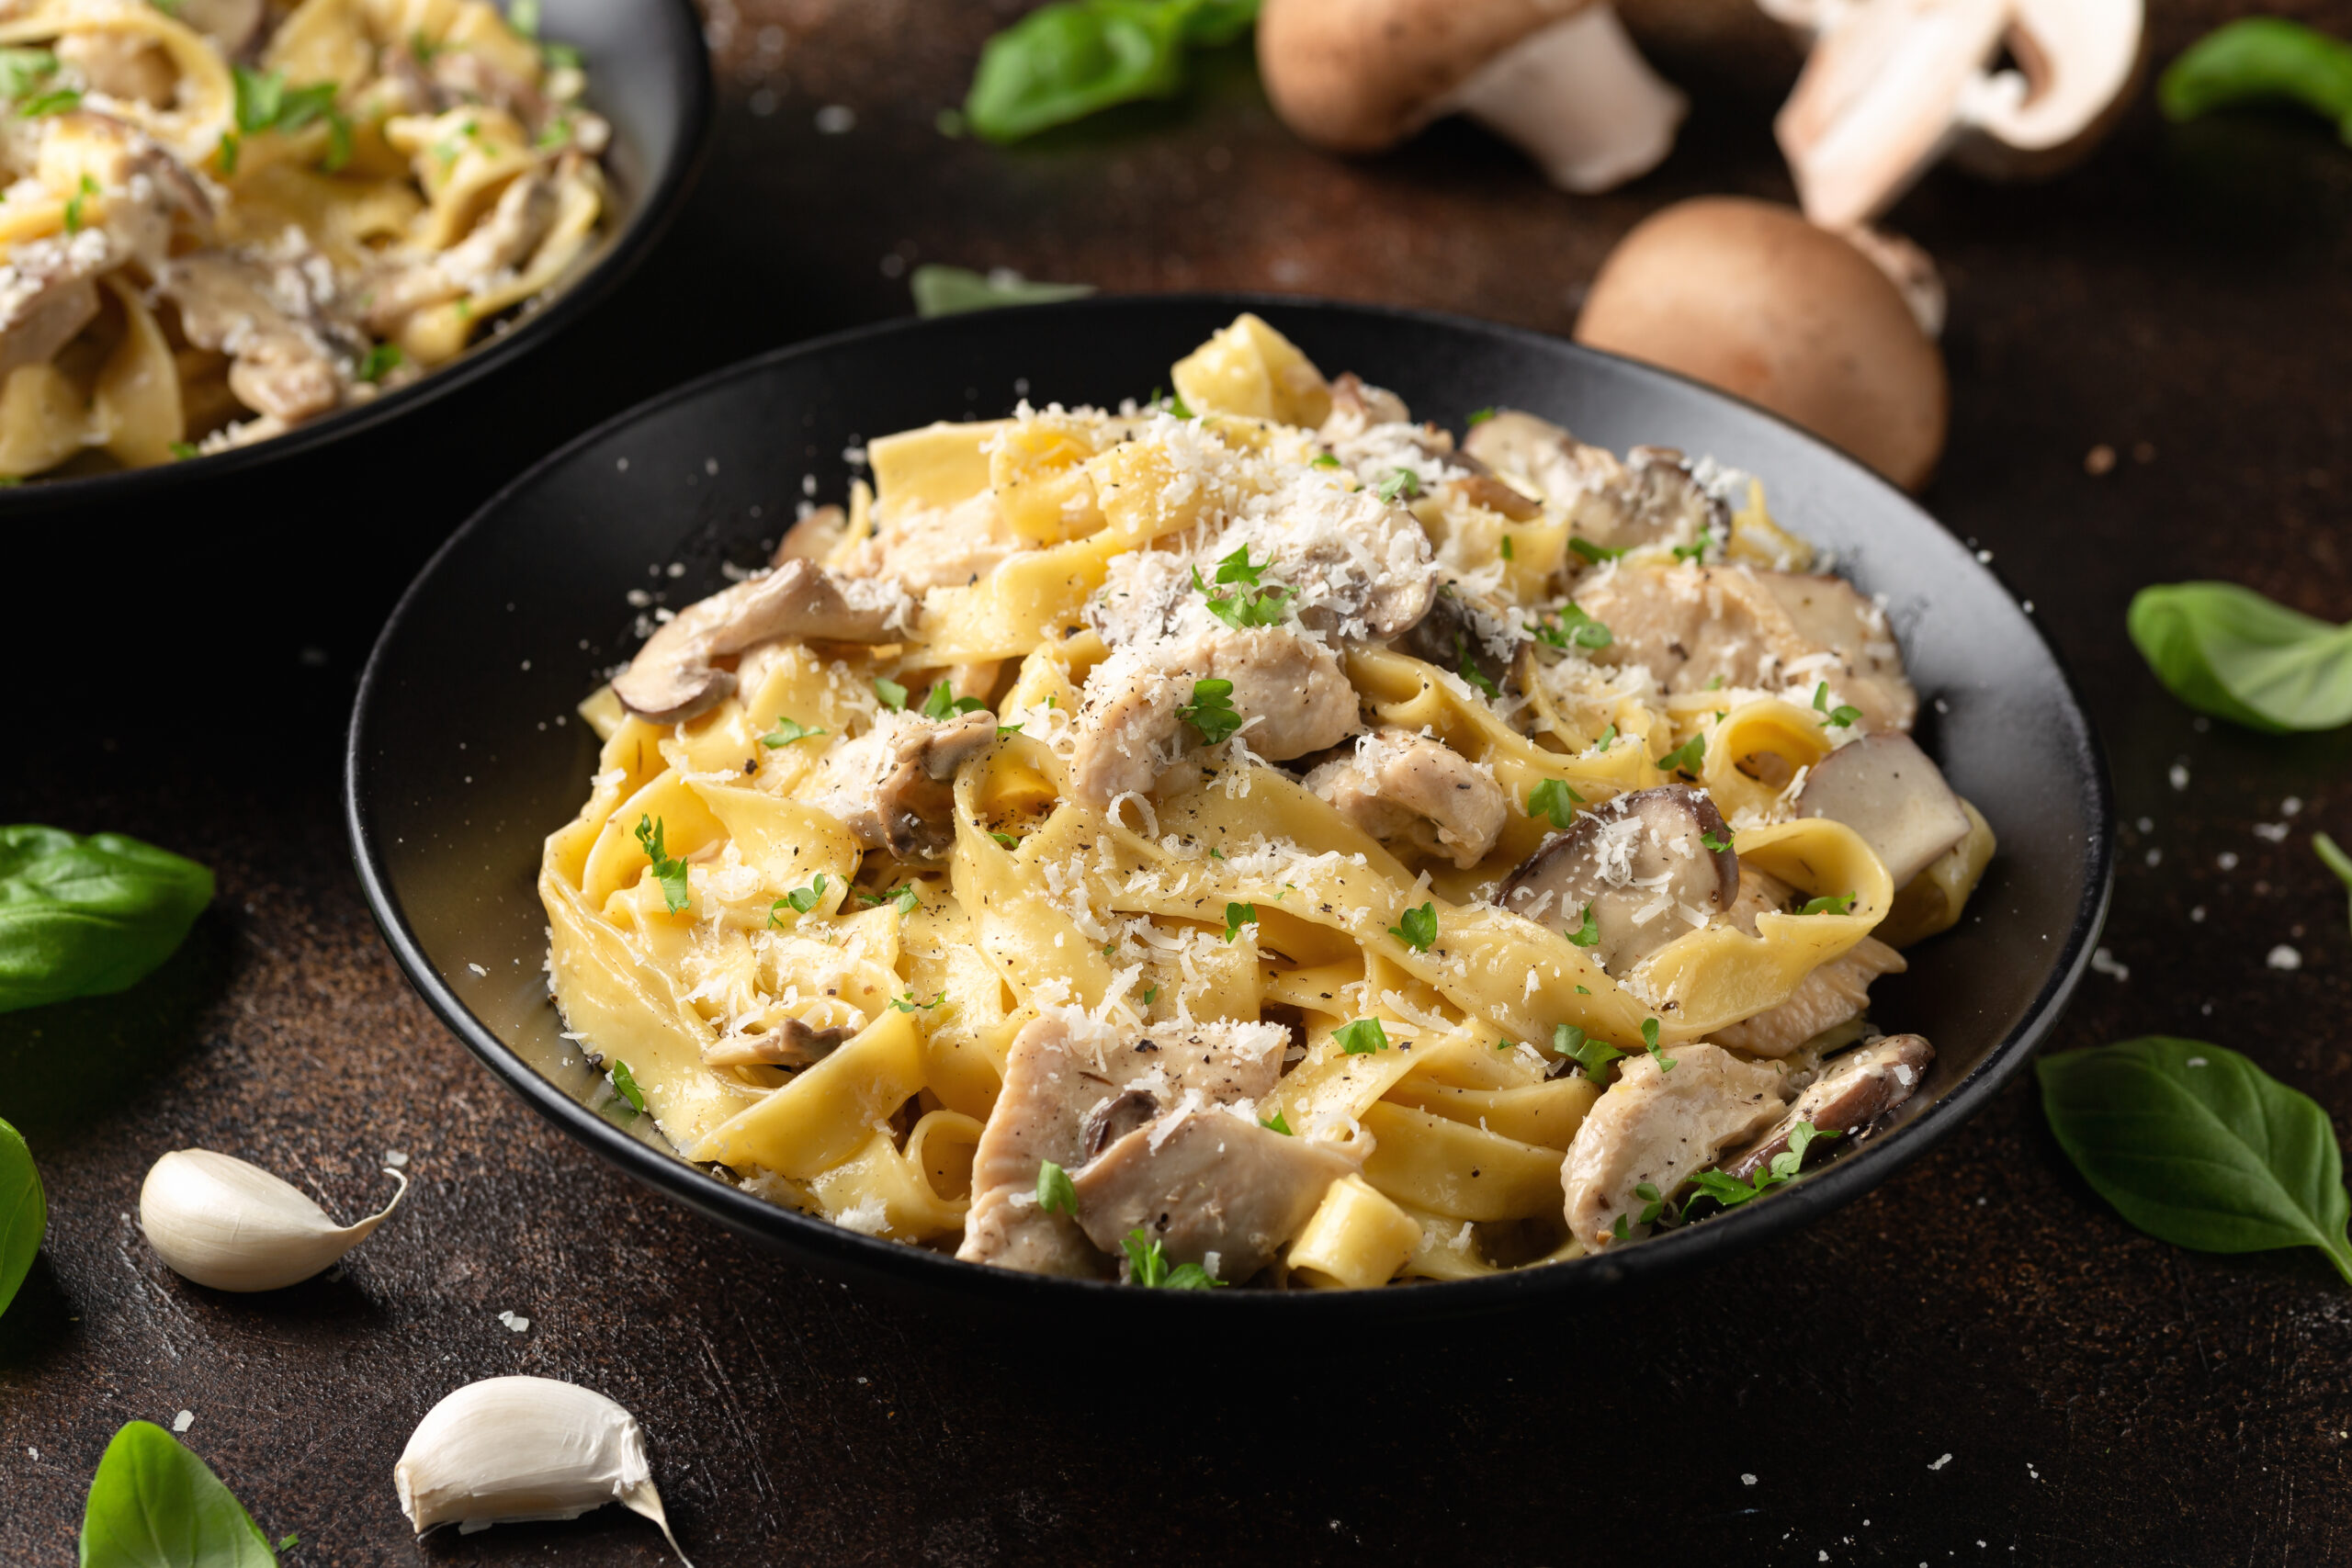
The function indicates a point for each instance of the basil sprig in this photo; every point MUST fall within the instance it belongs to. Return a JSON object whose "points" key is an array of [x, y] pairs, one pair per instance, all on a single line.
{"points": [[1075, 58], [88, 917], [2200, 1147], [24, 1213], [154, 1504], [2229, 651], [2261, 59]]}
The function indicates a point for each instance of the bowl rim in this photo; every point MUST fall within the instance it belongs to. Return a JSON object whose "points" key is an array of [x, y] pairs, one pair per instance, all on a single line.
{"points": [[666, 189], [875, 1259]]}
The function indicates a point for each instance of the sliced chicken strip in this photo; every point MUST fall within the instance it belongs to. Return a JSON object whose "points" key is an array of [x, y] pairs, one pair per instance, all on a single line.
{"points": [[1641, 864], [1657, 1128], [1830, 995], [1289, 691], [1409, 790], [1058, 1071], [672, 677], [1853, 1092], [894, 785], [1211, 1188], [1693, 624]]}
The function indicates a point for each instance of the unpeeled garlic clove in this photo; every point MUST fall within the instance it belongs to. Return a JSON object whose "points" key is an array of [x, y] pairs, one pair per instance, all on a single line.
{"points": [[508, 1450], [222, 1222]]}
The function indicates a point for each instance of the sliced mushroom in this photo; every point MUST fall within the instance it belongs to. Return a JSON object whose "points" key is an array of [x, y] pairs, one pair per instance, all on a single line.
{"points": [[813, 538], [791, 1044], [672, 676], [1853, 1092], [502, 242], [1658, 1127], [894, 787], [1465, 629], [1651, 498], [1411, 791], [1115, 1119], [1887, 790], [264, 319], [1211, 1188], [1640, 864], [48, 294], [1560, 78]]}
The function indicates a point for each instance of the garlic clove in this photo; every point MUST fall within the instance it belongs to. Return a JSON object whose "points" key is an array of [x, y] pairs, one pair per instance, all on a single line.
{"points": [[222, 1222], [508, 1450]]}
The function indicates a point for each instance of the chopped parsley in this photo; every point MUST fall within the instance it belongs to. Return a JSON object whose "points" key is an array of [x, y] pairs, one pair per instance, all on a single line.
{"points": [[904, 896], [561, 56], [1592, 1055], [785, 732], [1654, 1205], [265, 102], [1417, 929], [1589, 933], [1716, 844], [1592, 552], [1253, 605], [945, 704], [1685, 758], [22, 70], [1552, 799], [909, 1004], [1691, 553], [1840, 717], [1506, 546], [1841, 904], [57, 100], [1237, 916], [1006, 841], [1361, 1038], [1649, 1043], [1148, 1267], [624, 1083], [1055, 1194], [184, 450], [889, 693], [1715, 684], [380, 361], [800, 900], [1275, 1123], [670, 871], [1400, 481], [1607, 739], [1150, 994], [88, 188], [1731, 1192], [1326, 461], [1211, 711], [1569, 627], [1479, 416]]}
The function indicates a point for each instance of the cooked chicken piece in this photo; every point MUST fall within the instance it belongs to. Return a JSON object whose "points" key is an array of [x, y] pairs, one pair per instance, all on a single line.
{"points": [[1361, 568], [1059, 1070], [47, 295], [672, 677], [791, 1045], [948, 546], [1289, 693], [895, 785], [1464, 627], [1658, 1127], [1692, 625], [1640, 864], [1853, 1092], [1211, 1188], [1357, 406], [502, 242], [121, 66], [1830, 996], [264, 318], [1887, 790], [1408, 790]]}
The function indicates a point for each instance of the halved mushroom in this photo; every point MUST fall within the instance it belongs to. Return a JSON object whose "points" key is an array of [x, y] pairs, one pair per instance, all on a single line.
{"points": [[894, 787], [1658, 1127], [1853, 1092], [1560, 78], [1893, 83], [1887, 790], [1640, 864], [1463, 628], [672, 676], [1409, 790], [791, 1044], [1211, 1188]]}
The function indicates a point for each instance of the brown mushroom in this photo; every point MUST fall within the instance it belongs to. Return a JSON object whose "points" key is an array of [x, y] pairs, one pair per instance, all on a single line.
{"points": [[1459, 630], [49, 296], [672, 676], [1560, 78], [791, 1044], [893, 787], [1853, 1092], [1641, 864], [1749, 297], [1887, 790]]}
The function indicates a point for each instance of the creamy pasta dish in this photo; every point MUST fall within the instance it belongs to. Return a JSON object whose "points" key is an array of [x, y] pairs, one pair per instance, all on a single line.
{"points": [[1258, 839], [224, 218]]}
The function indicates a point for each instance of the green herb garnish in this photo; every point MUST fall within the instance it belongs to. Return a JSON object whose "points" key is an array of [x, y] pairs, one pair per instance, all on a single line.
{"points": [[669, 872], [1716, 842], [1731, 1192], [1570, 626], [1589, 933], [625, 1085], [1361, 1038], [1837, 904], [1055, 1193], [889, 693], [1592, 1055], [800, 900], [943, 704], [1237, 916], [1400, 481], [88, 917], [88, 188], [1649, 1043], [1594, 553], [904, 896], [1479, 416], [785, 732], [1148, 1267], [1211, 711], [1275, 1123], [1840, 717], [57, 100], [1685, 758], [1554, 801], [1607, 739], [380, 361], [1417, 929]]}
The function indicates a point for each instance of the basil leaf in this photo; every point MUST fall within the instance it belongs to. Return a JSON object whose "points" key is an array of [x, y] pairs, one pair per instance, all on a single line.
{"points": [[2229, 651], [154, 1504], [2261, 59], [88, 917], [1069, 59], [2200, 1147], [24, 1213]]}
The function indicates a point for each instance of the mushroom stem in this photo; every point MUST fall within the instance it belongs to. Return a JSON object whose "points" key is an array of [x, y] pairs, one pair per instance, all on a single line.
{"points": [[1580, 101]]}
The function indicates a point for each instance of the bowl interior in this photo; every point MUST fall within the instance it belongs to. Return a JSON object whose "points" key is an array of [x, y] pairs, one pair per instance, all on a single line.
{"points": [[465, 751]]}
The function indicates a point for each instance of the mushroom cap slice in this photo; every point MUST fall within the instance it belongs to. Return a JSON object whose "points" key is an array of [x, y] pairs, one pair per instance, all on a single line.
{"points": [[1748, 297], [1886, 789], [1639, 864], [1853, 1092], [672, 677], [791, 1044], [893, 787], [1657, 1128]]}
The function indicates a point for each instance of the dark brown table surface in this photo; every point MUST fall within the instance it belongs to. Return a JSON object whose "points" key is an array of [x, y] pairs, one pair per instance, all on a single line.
{"points": [[1979, 1363]]}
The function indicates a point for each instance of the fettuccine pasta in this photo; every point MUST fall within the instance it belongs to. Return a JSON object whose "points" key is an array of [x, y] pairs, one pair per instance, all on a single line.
{"points": [[223, 218], [1254, 838]]}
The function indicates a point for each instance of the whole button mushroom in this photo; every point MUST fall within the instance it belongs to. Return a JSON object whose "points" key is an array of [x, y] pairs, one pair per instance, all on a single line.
{"points": [[1558, 78], [1748, 297]]}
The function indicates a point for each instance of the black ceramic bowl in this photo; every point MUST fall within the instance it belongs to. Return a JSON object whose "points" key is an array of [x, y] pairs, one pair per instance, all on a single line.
{"points": [[650, 75], [462, 757]]}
